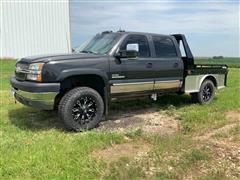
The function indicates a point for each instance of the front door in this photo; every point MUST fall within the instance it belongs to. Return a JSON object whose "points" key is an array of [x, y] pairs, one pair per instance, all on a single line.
{"points": [[136, 73]]}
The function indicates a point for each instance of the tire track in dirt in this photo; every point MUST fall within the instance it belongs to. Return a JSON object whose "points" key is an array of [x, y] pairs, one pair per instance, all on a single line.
{"points": [[226, 153]]}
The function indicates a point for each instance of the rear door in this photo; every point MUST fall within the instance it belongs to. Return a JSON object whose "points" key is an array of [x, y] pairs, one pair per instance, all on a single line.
{"points": [[168, 65]]}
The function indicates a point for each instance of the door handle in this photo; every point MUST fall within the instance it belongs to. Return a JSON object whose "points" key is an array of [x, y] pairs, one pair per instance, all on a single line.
{"points": [[149, 65], [175, 65]]}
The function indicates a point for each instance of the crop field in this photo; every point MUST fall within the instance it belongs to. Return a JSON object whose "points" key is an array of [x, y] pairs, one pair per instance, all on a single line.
{"points": [[171, 138]]}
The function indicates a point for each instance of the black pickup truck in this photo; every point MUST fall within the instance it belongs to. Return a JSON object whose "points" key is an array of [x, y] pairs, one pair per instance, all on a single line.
{"points": [[113, 65]]}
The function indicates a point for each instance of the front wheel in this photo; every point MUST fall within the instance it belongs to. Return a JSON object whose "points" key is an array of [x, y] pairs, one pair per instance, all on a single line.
{"points": [[205, 94], [81, 108]]}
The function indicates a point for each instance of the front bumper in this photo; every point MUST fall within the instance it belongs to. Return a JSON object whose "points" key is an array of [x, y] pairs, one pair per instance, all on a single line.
{"points": [[38, 95]]}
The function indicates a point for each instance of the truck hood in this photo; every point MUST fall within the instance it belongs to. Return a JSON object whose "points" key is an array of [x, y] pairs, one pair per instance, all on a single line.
{"points": [[57, 57]]}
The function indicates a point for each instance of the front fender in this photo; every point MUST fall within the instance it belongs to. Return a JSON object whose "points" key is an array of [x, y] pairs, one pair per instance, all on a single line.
{"points": [[80, 71]]}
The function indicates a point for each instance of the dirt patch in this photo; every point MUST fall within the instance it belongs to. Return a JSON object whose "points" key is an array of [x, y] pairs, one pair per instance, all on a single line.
{"points": [[223, 129], [226, 159], [150, 121], [233, 115], [226, 153], [116, 151]]}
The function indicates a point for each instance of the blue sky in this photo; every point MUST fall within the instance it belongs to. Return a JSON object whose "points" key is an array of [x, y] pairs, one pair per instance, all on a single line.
{"points": [[211, 27]]}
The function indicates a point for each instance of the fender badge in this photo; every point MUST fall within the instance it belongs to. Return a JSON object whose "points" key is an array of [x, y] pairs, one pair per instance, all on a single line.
{"points": [[117, 76]]}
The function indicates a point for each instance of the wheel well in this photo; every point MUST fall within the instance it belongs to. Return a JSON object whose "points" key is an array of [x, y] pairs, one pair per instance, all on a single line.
{"points": [[93, 81], [212, 79]]}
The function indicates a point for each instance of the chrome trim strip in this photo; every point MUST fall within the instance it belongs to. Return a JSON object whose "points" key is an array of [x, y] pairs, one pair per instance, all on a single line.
{"points": [[122, 84], [167, 84], [144, 86], [22, 71], [131, 87], [29, 71]]}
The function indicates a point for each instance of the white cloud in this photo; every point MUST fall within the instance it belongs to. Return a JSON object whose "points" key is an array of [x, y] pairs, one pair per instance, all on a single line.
{"points": [[213, 18]]}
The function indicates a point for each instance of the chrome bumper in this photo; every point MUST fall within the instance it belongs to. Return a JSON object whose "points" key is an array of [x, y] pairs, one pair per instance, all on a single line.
{"points": [[40, 100]]}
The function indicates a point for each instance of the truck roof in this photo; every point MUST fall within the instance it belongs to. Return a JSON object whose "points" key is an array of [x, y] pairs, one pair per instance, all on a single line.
{"points": [[134, 32]]}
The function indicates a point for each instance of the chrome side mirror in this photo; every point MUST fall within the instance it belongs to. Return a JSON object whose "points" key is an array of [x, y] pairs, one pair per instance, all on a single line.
{"points": [[131, 52], [132, 47]]}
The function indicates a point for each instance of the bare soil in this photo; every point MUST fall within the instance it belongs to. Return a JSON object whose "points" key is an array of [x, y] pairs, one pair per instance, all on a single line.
{"points": [[233, 115], [226, 152], [148, 120], [211, 133]]}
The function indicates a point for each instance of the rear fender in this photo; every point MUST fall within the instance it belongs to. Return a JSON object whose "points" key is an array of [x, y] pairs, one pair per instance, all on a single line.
{"points": [[193, 82]]}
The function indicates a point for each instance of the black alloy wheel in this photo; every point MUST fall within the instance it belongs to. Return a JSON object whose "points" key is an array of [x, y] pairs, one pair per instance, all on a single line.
{"points": [[81, 109], [206, 93], [84, 109]]}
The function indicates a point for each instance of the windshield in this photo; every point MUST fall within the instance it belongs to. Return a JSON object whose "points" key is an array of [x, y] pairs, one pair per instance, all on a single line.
{"points": [[100, 44]]}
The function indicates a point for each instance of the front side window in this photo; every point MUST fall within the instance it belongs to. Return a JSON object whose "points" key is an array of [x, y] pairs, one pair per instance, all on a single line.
{"points": [[164, 47], [142, 43]]}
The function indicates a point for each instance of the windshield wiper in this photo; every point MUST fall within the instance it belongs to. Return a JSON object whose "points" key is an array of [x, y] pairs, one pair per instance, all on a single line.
{"points": [[91, 52]]}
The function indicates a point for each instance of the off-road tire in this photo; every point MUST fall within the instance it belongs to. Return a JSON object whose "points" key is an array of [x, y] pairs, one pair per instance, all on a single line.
{"points": [[69, 101], [200, 97]]}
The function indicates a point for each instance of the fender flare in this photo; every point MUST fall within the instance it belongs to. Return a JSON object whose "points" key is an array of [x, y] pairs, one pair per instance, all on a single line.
{"points": [[83, 71], [87, 71]]}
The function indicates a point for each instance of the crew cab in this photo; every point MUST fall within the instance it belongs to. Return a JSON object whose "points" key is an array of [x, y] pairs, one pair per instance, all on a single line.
{"points": [[113, 65]]}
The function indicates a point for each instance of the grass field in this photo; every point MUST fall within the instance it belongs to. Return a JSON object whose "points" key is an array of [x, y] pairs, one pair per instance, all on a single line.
{"points": [[34, 144]]}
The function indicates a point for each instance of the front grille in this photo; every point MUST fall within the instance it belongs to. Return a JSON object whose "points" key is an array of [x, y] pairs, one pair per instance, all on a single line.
{"points": [[20, 76], [20, 72]]}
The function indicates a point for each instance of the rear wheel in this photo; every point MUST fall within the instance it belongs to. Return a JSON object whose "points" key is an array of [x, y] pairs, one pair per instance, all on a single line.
{"points": [[205, 94], [81, 108]]}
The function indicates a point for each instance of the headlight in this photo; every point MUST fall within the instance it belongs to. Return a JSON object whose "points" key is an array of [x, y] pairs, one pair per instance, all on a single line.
{"points": [[35, 72]]}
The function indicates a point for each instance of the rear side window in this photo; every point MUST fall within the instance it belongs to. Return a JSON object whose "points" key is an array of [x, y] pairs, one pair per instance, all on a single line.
{"points": [[164, 47], [141, 41]]}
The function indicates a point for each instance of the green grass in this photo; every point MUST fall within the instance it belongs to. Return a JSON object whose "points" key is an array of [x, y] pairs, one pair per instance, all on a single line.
{"points": [[233, 133], [194, 156], [34, 144]]}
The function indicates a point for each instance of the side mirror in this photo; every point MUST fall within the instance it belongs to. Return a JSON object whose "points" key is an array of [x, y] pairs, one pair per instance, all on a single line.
{"points": [[130, 52], [132, 47]]}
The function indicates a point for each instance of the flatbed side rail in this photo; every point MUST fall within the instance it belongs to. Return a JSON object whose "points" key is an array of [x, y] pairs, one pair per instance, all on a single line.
{"points": [[207, 69], [222, 66]]}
